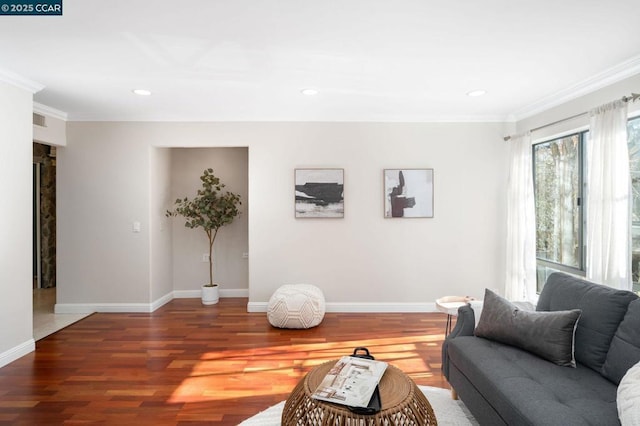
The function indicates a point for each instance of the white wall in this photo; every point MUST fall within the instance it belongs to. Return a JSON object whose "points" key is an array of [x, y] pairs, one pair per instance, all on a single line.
{"points": [[16, 281], [231, 270], [361, 262], [103, 187], [364, 258], [161, 241]]}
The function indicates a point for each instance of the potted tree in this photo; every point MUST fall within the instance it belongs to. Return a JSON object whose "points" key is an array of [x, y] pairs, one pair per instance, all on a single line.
{"points": [[210, 209]]}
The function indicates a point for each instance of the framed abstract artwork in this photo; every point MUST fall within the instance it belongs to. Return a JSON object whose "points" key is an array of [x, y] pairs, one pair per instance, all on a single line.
{"points": [[408, 193], [319, 193]]}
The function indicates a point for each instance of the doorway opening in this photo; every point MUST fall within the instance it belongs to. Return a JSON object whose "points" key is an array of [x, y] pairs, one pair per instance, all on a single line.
{"points": [[44, 240], [44, 216]]}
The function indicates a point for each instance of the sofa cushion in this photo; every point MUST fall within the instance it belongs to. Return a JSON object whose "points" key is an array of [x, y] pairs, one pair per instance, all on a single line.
{"points": [[547, 334], [602, 311], [528, 390], [629, 397], [625, 346]]}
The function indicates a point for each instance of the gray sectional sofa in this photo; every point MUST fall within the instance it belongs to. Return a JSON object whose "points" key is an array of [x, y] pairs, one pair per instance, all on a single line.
{"points": [[504, 384]]}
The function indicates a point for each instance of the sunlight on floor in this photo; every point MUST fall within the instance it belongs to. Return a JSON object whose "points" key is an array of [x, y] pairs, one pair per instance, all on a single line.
{"points": [[228, 375]]}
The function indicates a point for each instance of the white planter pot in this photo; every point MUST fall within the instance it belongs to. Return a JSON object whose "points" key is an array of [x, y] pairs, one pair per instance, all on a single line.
{"points": [[210, 295]]}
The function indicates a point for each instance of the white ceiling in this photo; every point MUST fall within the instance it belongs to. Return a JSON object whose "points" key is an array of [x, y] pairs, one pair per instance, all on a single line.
{"points": [[371, 60]]}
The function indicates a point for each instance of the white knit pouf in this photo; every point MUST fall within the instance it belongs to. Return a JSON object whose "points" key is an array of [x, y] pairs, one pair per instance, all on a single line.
{"points": [[628, 399], [296, 306]]}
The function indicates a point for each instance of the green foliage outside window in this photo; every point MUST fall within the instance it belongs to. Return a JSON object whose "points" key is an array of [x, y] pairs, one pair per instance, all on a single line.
{"points": [[558, 180], [633, 130], [558, 177]]}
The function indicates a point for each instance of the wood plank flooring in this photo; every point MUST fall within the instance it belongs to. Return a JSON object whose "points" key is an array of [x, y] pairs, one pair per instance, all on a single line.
{"points": [[187, 364]]}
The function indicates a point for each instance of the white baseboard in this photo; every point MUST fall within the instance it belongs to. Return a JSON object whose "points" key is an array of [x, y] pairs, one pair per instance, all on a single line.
{"points": [[382, 307], [89, 308], [162, 301], [234, 292], [17, 352], [257, 306], [361, 307], [187, 294], [196, 294]]}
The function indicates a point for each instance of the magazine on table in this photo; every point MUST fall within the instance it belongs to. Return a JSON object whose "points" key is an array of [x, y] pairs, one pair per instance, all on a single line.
{"points": [[351, 381]]}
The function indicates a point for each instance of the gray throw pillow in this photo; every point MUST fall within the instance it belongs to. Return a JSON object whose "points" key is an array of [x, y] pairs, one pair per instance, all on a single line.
{"points": [[602, 311], [624, 351], [549, 335]]}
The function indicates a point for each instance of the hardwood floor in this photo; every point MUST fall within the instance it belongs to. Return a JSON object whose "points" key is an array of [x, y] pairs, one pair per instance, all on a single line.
{"points": [[188, 364]]}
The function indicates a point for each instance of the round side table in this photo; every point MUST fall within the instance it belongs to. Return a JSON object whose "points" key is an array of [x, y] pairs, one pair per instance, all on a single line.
{"points": [[402, 403], [449, 305]]}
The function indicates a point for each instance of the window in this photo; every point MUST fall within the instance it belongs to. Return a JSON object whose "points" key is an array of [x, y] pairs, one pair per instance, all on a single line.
{"points": [[558, 187], [634, 167], [558, 169]]}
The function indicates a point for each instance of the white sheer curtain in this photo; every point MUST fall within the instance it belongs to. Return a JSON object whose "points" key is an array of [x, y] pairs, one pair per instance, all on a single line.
{"points": [[608, 252], [520, 283]]}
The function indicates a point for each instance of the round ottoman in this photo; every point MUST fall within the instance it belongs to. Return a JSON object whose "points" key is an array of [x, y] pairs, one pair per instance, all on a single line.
{"points": [[296, 306]]}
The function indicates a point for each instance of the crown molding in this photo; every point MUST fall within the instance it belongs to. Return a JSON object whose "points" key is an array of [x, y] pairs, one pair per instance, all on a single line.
{"points": [[50, 112], [606, 78], [248, 119], [19, 81]]}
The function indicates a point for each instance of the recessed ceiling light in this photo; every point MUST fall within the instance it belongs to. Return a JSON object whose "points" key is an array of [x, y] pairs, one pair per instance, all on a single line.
{"points": [[309, 92], [142, 92], [477, 93]]}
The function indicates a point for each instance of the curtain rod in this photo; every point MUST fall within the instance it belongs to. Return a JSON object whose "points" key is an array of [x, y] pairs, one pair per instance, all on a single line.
{"points": [[632, 98]]}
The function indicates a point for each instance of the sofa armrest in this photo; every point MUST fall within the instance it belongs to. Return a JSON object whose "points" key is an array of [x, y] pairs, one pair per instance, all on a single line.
{"points": [[465, 324]]}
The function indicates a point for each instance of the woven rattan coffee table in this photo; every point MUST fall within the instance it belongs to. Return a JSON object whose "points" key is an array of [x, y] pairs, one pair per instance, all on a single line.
{"points": [[402, 403]]}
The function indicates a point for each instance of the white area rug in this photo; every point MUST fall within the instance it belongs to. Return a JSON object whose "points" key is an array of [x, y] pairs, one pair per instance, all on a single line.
{"points": [[448, 412]]}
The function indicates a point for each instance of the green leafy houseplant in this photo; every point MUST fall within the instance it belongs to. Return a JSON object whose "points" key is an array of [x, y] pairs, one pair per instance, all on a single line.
{"points": [[211, 208]]}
